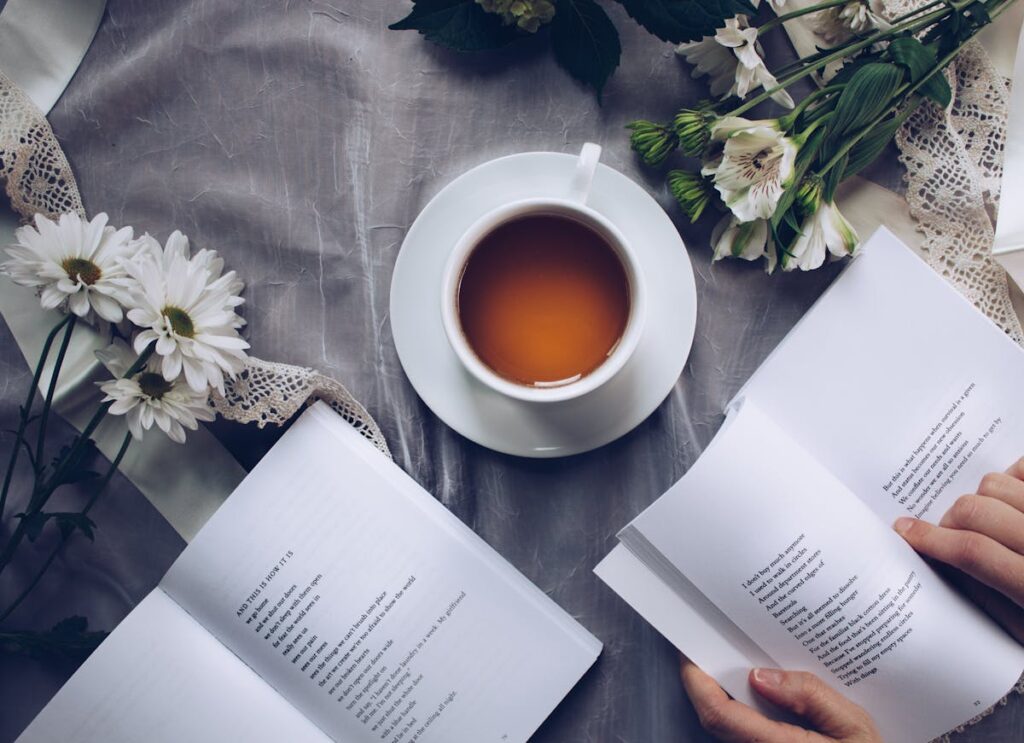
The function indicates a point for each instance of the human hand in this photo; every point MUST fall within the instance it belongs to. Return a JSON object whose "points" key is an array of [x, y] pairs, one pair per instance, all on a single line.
{"points": [[831, 716], [982, 537]]}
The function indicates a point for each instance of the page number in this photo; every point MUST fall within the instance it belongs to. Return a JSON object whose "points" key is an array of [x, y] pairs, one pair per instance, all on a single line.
{"points": [[977, 702]]}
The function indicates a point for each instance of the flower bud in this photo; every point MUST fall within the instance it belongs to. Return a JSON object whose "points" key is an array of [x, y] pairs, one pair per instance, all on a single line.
{"points": [[653, 142], [808, 195], [527, 15], [693, 127], [692, 191]]}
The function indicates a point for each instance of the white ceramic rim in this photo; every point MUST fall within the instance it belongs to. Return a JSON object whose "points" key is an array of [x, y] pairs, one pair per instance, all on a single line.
{"points": [[453, 276], [502, 423]]}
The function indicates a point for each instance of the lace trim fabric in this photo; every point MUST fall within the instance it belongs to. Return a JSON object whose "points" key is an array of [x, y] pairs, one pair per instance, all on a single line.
{"points": [[953, 160], [39, 180], [267, 392], [35, 172]]}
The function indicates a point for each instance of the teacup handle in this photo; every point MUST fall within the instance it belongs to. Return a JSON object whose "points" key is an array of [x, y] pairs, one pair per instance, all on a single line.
{"points": [[586, 166]]}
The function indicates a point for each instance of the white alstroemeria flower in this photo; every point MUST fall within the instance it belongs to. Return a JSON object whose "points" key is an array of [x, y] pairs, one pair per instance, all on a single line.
{"points": [[732, 59], [146, 398], [72, 261], [726, 126], [710, 58], [187, 307], [756, 167], [825, 231], [838, 24], [734, 239]]}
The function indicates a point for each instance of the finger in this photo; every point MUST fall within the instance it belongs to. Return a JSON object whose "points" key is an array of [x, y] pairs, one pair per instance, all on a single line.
{"points": [[988, 516], [1016, 469], [975, 554], [729, 720], [1009, 616], [1004, 487], [811, 698]]}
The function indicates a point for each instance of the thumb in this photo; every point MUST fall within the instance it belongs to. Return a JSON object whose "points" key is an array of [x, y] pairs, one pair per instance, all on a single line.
{"points": [[809, 697]]}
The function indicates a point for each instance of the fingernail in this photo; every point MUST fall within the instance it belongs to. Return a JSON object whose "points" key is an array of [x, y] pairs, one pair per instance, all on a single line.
{"points": [[768, 676], [903, 524]]}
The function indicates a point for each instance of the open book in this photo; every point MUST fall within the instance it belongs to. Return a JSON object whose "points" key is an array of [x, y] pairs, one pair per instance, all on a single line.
{"points": [[330, 598], [892, 397]]}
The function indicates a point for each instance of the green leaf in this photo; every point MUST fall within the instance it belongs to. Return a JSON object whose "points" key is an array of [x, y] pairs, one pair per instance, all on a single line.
{"points": [[585, 42], [919, 60], [462, 25], [75, 468], [790, 220], [978, 13], [913, 55], [937, 89], [866, 97], [833, 178], [785, 204], [809, 149], [870, 147], [678, 21], [68, 523], [68, 640], [34, 523]]}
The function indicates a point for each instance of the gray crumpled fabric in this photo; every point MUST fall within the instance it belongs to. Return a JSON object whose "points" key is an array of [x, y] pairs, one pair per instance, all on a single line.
{"points": [[301, 139]]}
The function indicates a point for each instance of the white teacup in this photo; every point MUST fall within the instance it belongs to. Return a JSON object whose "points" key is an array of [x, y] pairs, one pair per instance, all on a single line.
{"points": [[573, 206]]}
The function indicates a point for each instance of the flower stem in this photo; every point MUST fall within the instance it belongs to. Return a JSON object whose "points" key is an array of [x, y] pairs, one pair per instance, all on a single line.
{"points": [[917, 11], [96, 419], [779, 20], [789, 120], [26, 410], [845, 51], [42, 493], [44, 416], [65, 537]]}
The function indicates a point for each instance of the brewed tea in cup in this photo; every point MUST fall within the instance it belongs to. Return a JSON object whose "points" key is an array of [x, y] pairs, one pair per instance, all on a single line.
{"points": [[542, 298]]}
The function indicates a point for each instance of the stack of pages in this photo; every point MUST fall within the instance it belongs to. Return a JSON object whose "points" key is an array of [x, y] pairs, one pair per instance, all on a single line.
{"points": [[892, 397], [330, 598]]}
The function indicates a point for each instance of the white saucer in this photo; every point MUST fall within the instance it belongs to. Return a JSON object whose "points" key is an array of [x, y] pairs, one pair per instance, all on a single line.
{"points": [[552, 429]]}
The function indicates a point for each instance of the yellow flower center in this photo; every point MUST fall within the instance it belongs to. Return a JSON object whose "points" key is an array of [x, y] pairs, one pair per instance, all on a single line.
{"points": [[153, 385], [80, 269], [180, 322]]}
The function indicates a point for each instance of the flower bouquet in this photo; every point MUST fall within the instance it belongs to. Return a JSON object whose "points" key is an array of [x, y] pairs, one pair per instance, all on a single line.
{"points": [[172, 320], [776, 179]]}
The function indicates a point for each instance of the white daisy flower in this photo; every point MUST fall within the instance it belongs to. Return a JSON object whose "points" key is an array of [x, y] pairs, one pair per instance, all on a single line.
{"points": [[756, 167], [187, 307], [732, 59], [146, 398], [824, 231], [839, 24], [74, 263]]}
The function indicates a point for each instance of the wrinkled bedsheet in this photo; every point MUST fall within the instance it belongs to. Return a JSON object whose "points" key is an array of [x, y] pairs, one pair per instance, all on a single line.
{"points": [[300, 139]]}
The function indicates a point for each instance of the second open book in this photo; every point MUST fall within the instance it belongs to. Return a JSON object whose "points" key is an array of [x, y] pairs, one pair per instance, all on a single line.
{"points": [[330, 598], [892, 397]]}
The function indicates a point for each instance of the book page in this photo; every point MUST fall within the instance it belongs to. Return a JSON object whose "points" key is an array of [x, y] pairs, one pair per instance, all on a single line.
{"points": [[690, 622], [369, 606], [160, 677], [809, 573], [898, 386]]}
